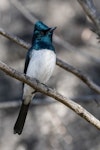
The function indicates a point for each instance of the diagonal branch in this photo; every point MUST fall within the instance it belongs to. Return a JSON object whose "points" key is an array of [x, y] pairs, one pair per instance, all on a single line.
{"points": [[52, 93], [59, 62], [82, 76], [91, 11], [24, 11], [15, 39]]}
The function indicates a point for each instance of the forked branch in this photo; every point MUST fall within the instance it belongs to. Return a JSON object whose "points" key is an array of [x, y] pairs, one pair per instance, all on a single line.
{"points": [[91, 11]]}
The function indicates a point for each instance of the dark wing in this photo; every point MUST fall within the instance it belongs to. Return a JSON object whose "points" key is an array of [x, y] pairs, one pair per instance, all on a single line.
{"points": [[26, 63], [27, 60]]}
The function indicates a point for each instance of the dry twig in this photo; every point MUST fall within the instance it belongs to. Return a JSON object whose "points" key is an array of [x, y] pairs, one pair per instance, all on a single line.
{"points": [[82, 76], [91, 11]]}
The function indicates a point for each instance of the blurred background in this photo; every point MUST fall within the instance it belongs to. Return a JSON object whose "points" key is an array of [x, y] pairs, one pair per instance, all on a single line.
{"points": [[50, 125]]}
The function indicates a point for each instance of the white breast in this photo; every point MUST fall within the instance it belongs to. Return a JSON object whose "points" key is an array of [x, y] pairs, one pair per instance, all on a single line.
{"points": [[41, 65]]}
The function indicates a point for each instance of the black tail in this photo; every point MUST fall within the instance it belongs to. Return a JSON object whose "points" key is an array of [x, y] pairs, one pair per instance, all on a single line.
{"points": [[18, 128]]}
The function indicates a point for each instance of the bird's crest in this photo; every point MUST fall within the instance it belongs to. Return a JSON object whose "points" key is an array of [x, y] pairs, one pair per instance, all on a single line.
{"points": [[40, 26]]}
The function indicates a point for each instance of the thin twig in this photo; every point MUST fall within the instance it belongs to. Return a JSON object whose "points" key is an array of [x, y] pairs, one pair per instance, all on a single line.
{"points": [[15, 39], [59, 62], [82, 76], [91, 11], [24, 11], [50, 92]]}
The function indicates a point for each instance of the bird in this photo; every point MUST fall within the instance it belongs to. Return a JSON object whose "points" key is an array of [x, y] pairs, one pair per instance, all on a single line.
{"points": [[39, 64]]}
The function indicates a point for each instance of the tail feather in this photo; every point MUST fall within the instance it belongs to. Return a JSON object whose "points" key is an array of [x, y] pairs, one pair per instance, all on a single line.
{"points": [[18, 127]]}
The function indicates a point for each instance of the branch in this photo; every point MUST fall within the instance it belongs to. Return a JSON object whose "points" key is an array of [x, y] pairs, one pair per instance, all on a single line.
{"points": [[91, 11], [82, 76], [59, 62], [15, 39], [52, 93], [24, 11]]}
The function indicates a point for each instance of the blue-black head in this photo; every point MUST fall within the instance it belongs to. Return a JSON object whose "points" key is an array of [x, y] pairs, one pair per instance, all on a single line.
{"points": [[42, 36]]}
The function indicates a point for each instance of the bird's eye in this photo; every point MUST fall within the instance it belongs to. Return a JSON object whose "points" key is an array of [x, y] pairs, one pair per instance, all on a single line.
{"points": [[42, 33]]}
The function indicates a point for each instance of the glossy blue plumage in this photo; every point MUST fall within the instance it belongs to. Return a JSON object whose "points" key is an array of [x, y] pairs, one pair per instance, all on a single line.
{"points": [[40, 26], [42, 37]]}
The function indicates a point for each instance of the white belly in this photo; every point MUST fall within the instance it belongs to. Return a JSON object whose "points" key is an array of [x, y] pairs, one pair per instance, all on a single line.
{"points": [[41, 65]]}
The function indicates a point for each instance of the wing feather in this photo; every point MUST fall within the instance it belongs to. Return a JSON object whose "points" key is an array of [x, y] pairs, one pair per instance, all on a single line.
{"points": [[28, 56]]}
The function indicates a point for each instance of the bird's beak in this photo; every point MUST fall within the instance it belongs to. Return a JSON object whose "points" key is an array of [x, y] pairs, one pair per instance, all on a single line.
{"points": [[52, 29]]}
